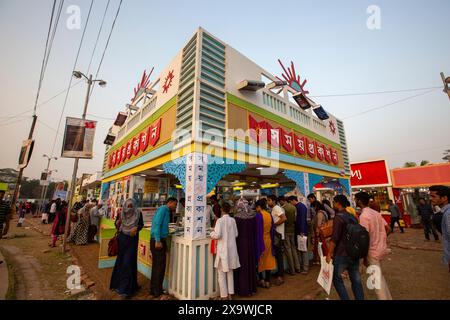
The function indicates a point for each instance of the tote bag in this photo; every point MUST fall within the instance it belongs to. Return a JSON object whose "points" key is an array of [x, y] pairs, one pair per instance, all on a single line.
{"points": [[302, 242], [325, 278], [113, 246]]}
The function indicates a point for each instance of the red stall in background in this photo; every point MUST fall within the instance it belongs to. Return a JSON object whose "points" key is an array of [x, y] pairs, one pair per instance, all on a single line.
{"points": [[370, 174], [373, 175]]}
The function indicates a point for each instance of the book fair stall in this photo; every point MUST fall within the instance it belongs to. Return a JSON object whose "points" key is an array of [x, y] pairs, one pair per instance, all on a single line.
{"points": [[214, 122]]}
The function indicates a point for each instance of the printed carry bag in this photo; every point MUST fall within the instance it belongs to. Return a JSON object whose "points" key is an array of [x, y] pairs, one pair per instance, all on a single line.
{"points": [[302, 242], [325, 278]]}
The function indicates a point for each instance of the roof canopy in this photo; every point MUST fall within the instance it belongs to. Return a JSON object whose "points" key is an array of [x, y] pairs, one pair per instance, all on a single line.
{"points": [[421, 176]]}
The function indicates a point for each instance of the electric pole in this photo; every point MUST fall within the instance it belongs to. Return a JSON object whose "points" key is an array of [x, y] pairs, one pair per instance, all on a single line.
{"points": [[102, 83]]}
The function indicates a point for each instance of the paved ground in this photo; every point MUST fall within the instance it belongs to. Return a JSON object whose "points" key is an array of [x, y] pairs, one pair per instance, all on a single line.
{"points": [[413, 270]]}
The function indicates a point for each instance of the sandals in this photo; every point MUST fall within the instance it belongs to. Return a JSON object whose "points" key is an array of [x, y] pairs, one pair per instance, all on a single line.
{"points": [[279, 282]]}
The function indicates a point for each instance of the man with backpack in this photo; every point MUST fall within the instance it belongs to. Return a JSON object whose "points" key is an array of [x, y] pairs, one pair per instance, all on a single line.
{"points": [[342, 250], [378, 230]]}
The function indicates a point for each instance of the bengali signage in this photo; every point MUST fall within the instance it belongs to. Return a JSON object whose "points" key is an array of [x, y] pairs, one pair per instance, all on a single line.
{"points": [[136, 145], [290, 141]]}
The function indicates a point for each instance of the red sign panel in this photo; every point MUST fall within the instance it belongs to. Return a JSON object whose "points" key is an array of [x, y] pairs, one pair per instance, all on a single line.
{"points": [[300, 145], [320, 151], [328, 154], [334, 156], [287, 140], [369, 173], [262, 131], [257, 129], [311, 147], [273, 135], [139, 143]]}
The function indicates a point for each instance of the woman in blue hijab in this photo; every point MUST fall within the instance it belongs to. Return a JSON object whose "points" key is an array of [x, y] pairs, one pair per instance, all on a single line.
{"points": [[128, 224]]}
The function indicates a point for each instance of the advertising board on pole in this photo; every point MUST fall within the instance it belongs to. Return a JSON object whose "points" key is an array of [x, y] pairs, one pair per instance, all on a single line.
{"points": [[78, 138]]}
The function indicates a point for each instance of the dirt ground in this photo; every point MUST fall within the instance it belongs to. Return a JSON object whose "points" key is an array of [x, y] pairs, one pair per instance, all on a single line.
{"points": [[37, 271], [413, 270]]}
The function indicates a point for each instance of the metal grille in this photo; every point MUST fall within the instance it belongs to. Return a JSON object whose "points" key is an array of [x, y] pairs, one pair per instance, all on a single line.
{"points": [[343, 142], [212, 90]]}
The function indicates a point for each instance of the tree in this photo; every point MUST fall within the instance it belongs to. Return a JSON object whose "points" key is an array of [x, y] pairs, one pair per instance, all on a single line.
{"points": [[30, 189], [409, 165], [446, 156]]}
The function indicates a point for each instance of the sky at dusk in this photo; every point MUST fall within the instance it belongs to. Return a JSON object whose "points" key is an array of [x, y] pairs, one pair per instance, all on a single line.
{"points": [[329, 42]]}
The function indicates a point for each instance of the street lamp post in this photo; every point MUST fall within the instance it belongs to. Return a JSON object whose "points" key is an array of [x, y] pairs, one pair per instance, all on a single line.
{"points": [[44, 188], [90, 81]]}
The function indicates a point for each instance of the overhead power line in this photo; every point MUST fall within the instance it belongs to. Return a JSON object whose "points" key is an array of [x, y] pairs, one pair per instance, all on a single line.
{"points": [[42, 103], [374, 92], [100, 117], [98, 36], [48, 48], [388, 104], [107, 44], [71, 77]]}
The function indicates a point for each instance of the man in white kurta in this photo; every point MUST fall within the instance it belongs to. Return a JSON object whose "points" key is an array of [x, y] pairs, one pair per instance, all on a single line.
{"points": [[227, 258]]}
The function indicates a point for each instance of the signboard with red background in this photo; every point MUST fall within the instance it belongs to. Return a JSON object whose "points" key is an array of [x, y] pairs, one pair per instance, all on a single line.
{"points": [[138, 144], [370, 173], [263, 132]]}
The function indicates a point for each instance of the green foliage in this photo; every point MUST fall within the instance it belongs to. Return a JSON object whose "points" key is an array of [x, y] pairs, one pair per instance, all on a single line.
{"points": [[410, 164]]}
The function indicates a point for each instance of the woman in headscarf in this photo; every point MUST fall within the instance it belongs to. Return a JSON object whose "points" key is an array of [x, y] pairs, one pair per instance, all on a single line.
{"points": [[124, 276], [79, 236], [245, 278], [264, 244]]}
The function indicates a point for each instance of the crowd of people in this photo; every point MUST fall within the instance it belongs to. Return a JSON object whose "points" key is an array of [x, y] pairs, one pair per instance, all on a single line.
{"points": [[84, 219], [281, 223], [258, 242]]}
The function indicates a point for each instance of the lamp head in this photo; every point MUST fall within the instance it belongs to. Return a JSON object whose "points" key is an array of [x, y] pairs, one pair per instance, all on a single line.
{"points": [[102, 83], [77, 74]]}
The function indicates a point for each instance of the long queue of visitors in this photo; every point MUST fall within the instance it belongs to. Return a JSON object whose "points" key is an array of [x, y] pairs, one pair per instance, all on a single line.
{"points": [[251, 241]]}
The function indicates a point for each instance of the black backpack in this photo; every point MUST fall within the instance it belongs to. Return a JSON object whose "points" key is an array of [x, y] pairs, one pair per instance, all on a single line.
{"points": [[356, 237]]}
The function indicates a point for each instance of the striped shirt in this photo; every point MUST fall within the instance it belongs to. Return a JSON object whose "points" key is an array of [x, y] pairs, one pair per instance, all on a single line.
{"points": [[5, 210]]}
